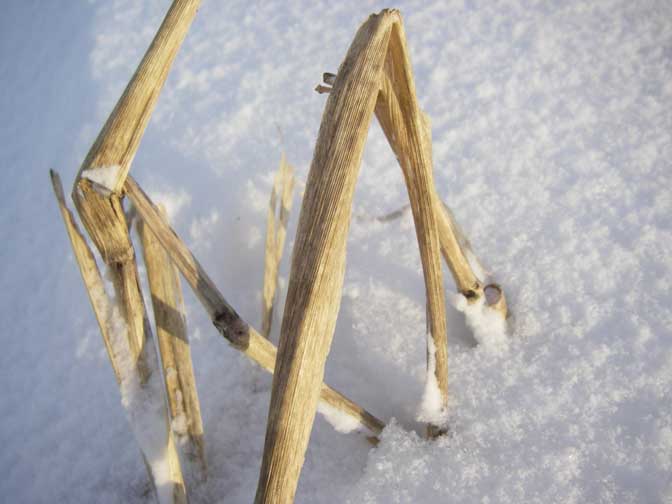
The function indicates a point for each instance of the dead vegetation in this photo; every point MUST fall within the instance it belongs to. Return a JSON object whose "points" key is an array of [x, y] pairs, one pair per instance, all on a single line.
{"points": [[375, 78]]}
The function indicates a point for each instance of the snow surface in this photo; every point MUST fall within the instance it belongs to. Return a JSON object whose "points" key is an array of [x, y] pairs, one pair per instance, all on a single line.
{"points": [[552, 134]]}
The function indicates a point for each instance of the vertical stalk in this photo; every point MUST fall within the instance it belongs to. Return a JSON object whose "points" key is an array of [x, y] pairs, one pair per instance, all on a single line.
{"points": [[178, 373], [318, 261], [276, 232]]}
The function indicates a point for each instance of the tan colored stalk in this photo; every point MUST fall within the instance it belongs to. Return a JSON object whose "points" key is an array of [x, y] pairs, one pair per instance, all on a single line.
{"points": [[119, 139], [117, 350], [241, 335], [403, 122], [388, 112], [99, 205], [93, 281], [101, 177], [276, 232], [493, 292], [318, 261], [143, 358], [178, 373]]}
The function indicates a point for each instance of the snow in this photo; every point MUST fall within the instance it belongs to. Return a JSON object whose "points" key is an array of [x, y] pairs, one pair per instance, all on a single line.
{"points": [[105, 176], [488, 325], [432, 409], [337, 419], [179, 425], [142, 400], [552, 140]]}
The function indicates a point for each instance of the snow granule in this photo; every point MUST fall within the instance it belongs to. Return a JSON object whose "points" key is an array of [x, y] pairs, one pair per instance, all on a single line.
{"points": [[340, 421], [432, 409], [104, 176], [179, 424], [487, 324]]}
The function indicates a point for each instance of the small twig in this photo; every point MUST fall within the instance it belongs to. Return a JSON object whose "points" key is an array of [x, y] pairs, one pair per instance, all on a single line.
{"points": [[322, 89], [329, 78]]}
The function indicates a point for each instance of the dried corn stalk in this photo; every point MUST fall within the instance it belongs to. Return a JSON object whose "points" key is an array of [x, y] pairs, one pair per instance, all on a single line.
{"points": [[276, 232]]}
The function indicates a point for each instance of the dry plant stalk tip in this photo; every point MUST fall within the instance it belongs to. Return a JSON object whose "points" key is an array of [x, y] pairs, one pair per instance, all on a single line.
{"points": [[118, 141], [492, 291], [93, 281], [120, 137]]}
